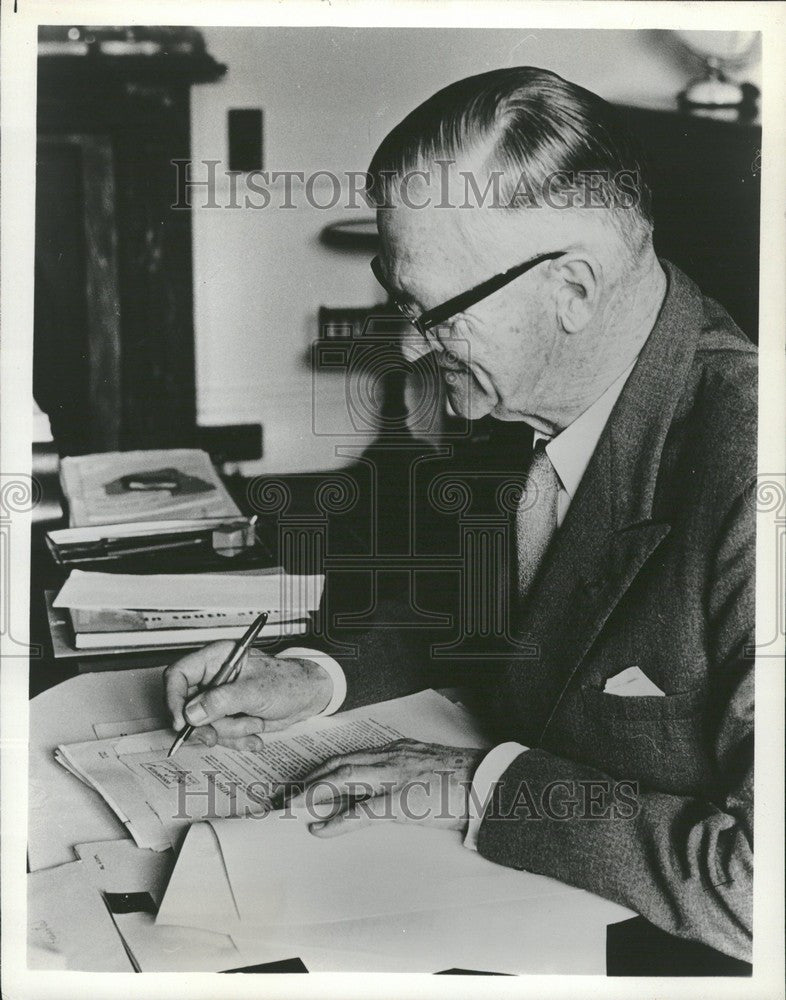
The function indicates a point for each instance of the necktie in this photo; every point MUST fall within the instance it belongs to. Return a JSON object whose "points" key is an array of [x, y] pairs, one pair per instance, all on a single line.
{"points": [[536, 517]]}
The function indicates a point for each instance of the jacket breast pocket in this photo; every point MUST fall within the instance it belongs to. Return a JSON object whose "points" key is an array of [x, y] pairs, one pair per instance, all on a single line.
{"points": [[659, 741], [646, 708]]}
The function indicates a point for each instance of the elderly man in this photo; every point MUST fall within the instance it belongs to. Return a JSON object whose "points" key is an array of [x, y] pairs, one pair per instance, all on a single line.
{"points": [[516, 236]]}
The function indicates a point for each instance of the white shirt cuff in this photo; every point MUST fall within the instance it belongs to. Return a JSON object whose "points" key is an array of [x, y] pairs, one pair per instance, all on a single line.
{"points": [[329, 665], [491, 769]]}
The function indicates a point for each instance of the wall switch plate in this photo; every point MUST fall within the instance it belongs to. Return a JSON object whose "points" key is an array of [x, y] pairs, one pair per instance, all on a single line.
{"points": [[245, 139], [231, 442]]}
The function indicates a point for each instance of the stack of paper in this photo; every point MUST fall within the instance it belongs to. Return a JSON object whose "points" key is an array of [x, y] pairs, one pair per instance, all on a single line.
{"points": [[157, 796], [98, 914], [112, 487], [252, 888], [122, 610]]}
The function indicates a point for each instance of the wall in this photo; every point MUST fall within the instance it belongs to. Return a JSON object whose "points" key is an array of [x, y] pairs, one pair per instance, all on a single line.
{"points": [[328, 97]]}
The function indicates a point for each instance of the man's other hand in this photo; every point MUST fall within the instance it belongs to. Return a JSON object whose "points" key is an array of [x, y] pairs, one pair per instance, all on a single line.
{"points": [[406, 781], [270, 694]]}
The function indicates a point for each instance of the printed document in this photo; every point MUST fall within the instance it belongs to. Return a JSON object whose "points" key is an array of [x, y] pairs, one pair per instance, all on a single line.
{"points": [[156, 796]]}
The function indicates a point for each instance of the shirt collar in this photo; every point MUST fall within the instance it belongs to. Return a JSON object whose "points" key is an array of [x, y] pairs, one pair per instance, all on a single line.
{"points": [[571, 450]]}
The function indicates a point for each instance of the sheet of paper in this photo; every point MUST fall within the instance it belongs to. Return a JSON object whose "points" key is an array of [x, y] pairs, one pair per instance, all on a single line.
{"points": [[528, 937], [201, 861], [520, 936], [105, 730], [174, 949], [67, 920], [282, 875], [157, 797], [200, 858], [293, 596], [336, 960], [121, 866]]}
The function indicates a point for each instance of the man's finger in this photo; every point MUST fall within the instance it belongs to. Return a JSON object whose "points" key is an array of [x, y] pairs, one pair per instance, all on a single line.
{"points": [[332, 764], [276, 725], [204, 734], [251, 743], [327, 767], [354, 817], [236, 728], [217, 703], [176, 688], [354, 780], [191, 671]]}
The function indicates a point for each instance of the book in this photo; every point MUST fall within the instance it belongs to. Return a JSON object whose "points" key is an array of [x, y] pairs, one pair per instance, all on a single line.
{"points": [[113, 487], [108, 620], [171, 637], [113, 542], [118, 650]]}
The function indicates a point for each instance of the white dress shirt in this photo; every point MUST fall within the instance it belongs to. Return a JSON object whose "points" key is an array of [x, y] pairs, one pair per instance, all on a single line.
{"points": [[570, 452], [328, 664]]}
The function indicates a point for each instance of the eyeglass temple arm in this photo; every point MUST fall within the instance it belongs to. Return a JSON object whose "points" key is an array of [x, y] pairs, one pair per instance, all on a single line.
{"points": [[461, 302]]}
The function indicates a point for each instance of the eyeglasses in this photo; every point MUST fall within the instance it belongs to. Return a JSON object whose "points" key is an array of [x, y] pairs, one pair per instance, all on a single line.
{"points": [[440, 314]]}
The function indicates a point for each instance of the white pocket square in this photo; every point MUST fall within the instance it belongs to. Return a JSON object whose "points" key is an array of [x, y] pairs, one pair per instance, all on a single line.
{"points": [[633, 683]]}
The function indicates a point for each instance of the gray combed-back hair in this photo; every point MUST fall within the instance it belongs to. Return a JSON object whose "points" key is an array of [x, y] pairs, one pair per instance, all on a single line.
{"points": [[546, 138]]}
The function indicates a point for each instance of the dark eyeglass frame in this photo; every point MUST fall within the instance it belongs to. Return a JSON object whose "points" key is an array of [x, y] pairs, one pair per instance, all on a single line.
{"points": [[459, 303]]}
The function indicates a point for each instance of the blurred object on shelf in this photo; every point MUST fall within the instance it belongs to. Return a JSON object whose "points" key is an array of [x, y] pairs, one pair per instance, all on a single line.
{"points": [[714, 93], [109, 40]]}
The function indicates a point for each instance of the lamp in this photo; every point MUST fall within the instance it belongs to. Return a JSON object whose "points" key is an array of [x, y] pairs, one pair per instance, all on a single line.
{"points": [[714, 92]]}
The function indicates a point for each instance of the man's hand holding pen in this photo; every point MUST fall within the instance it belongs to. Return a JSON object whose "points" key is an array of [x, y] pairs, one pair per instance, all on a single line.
{"points": [[405, 780], [268, 695]]}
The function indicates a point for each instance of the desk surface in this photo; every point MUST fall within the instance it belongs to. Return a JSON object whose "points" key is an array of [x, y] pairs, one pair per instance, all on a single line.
{"points": [[64, 812]]}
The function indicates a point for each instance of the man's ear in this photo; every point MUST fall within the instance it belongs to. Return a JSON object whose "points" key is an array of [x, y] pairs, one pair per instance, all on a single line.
{"points": [[579, 292]]}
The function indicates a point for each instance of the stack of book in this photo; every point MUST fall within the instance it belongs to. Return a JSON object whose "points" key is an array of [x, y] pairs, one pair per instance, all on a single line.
{"points": [[110, 612], [152, 511]]}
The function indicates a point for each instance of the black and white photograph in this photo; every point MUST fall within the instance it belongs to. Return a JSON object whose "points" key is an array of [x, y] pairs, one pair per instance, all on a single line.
{"points": [[393, 503]]}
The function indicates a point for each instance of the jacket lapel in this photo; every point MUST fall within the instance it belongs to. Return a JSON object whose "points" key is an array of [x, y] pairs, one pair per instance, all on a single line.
{"points": [[609, 531]]}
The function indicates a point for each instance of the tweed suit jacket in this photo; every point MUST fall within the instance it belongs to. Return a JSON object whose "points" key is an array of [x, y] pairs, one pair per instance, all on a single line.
{"points": [[653, 567]]}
